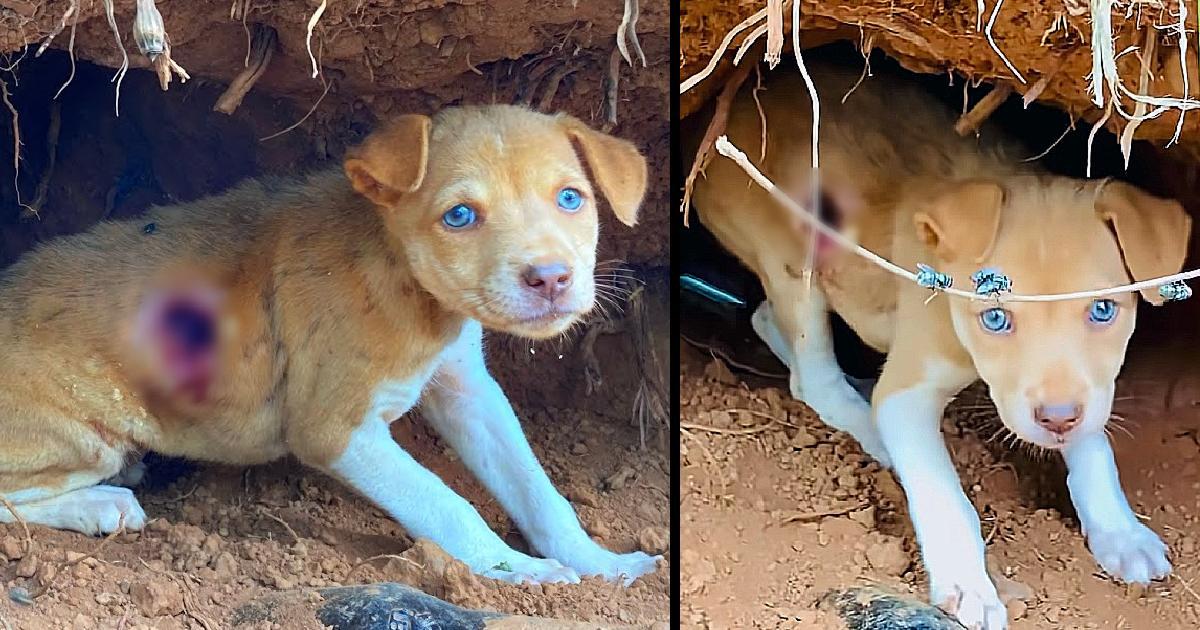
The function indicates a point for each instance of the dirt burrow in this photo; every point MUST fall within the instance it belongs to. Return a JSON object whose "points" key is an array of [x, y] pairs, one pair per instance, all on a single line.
{"points": [[777, 509], [1043, 39]]}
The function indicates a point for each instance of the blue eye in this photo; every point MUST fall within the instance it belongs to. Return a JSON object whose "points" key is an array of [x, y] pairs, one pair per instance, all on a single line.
{"points": [[570, 199], [459, 217], [1102, 311], [996, 320]]}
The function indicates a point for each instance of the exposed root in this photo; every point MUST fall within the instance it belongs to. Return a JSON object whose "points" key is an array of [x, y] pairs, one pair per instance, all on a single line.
{"points": [[815, 180], [1092, 137], [651, 401], [312, 23], [261, 50], [20, 521], [70, 53], [62, 24], [325, 84], [695, 79], [120, 75], [16, 129], [774, 33], [33, 210], [1139, 109], [265, 512], [716, 128], [552, 84], [593, 376], [150, 34], [762, 115], [627, 33], [748, 43], [987, 32], [970, 122], [611, 90], [1034, 92]]}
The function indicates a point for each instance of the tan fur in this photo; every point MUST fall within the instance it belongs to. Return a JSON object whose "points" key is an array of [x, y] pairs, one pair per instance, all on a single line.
{"points": [[928, 196], [324, 293]]}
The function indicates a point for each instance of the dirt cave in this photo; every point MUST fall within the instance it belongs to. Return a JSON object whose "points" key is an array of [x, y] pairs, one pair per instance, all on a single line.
{"points": [[592, 403], [777, 510]]}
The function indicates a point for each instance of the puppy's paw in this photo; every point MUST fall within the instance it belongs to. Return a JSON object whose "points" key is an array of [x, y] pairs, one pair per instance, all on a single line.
{"points": [[976, 605], [522, 569], [626, 567], [1134, 554], [101, 510]]}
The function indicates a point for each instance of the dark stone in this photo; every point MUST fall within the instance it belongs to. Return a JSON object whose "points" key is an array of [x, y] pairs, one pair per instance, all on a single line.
{"points": [[869, 608]]}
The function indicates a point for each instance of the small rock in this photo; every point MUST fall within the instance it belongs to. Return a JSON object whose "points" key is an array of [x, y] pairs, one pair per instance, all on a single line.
{"points": [[1016, 609], [11, 549], [719, 372], [27, 567], [617, 480], [579, 449], [225, 566], [803, 439], [889, 556], [582, 495], [157, 598], [652, 540]]}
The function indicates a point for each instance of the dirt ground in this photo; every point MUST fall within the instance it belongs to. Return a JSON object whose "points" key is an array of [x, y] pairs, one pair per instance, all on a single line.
{"points": [[777, 510], [221, 537]]}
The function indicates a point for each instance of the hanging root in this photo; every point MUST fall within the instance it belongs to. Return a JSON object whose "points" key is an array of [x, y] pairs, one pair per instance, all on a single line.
{"points": [[1145, 73], [716, 128], [262, 47], [70, 50], [627, 33], [120, 75], [16, 129], [34, 209], [611, 90], [970, 122], [552, 84], [62, 24], [650, 403], [150, 34], [312, 23], [774, 33]]}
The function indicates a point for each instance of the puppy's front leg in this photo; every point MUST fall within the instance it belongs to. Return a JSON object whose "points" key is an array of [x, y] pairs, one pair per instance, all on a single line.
{"points": [[946, 525], [375, 465], [468, 408], [1124, 547]]}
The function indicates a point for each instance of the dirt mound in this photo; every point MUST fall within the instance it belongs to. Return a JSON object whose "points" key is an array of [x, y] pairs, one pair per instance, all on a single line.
{"points": [[778, 510]]}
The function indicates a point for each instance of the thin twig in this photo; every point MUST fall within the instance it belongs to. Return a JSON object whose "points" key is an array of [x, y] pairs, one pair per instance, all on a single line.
{"points": [[259, 56], [21, 521], [312, 23], [803, 517], [695, 79], [627, 32]]}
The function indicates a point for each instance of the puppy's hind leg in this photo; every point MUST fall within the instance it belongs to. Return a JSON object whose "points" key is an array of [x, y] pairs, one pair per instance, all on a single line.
{"points": [[40, 492], [795, 325]]}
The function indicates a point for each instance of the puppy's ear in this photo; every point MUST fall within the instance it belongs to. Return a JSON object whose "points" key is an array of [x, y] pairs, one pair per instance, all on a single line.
{"points": [[392, 160], [617, 166], [961, 223], [1152, 232]]}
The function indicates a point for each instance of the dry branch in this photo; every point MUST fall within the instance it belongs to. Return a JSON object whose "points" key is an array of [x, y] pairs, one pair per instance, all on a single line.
{"points": [[262, 47], [716, 128], [970, 122], [627, 33]]}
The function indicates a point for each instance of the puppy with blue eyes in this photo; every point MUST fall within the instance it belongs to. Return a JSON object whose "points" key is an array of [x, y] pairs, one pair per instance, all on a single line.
{"points": [[303, 318], [897, 178]]}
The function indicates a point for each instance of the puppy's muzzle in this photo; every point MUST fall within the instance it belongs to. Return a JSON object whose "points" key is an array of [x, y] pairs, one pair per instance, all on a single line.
{"points": [[1058, 418], [549, 280]]}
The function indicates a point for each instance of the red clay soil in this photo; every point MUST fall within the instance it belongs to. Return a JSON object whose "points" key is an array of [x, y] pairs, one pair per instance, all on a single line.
{"points": [[1041, 38], [777, 510]]}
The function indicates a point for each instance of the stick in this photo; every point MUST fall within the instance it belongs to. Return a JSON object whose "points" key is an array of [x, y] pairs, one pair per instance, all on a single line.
{"points": [[970, 122], [261, 50], [312, 22], [716, 128]]}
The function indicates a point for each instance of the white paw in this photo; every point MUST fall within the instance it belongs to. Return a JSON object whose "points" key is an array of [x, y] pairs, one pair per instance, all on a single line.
{"points": [[976, 605], [96, 510], [521, 569], [626, 567], [1134, 554]]}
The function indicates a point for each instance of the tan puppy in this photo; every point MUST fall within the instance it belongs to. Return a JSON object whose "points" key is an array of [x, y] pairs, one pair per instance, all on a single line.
{"points": [[304, 317], [911, 190]]}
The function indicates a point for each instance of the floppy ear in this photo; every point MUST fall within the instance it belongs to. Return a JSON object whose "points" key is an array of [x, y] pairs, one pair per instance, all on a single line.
{"points": [[962, 222], [1152, 232], [617, 166], [392, 160]]}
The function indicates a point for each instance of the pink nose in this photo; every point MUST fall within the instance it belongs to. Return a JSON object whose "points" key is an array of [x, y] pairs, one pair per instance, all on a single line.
{"points": [[549, 280], [1058, 418]]}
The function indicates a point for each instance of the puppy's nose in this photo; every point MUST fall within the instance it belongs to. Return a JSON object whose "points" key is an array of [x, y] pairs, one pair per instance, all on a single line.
{"points": [[1058, 418], [550, 279]]}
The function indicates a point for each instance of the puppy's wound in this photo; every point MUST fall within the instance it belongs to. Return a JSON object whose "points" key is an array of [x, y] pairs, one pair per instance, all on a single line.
{"points": [[302, 317]]}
